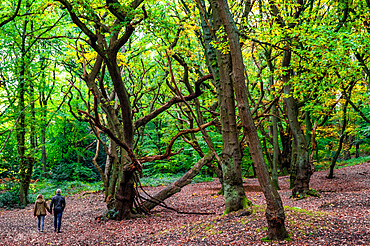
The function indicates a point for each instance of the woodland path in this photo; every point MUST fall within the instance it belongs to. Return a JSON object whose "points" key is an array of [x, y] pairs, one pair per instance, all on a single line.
{"points": [[341, 216]]}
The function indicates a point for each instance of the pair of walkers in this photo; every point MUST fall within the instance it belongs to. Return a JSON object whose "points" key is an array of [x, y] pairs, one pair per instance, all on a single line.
{"points": [[57, 202]]}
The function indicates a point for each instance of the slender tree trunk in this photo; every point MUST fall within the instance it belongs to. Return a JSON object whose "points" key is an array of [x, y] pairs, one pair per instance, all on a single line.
{"points": [[274, 212], [304, 172], [43, 105], [307, 117], [347, 150], [21, 128], [112, 169], [286, 142], [293, 164], [42, 139], [275, 141], [340, 144], [211, 58], [275, 133]]}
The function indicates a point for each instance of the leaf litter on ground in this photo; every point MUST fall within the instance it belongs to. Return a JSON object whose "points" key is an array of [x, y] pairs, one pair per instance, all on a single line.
{"points": [[341, 216]]}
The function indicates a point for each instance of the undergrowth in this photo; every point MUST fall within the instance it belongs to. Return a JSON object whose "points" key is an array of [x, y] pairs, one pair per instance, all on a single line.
{"points": [[9, 191]]}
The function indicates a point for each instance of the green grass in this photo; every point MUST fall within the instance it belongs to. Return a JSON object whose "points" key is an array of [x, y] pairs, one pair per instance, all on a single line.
{"points": [[352, 162], [10, 191], [165, 179], [48, 187], [324, 165]]}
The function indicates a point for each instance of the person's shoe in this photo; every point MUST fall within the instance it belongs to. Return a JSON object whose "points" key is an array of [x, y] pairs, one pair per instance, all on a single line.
{"points": [[59, 232], [42, 231]]}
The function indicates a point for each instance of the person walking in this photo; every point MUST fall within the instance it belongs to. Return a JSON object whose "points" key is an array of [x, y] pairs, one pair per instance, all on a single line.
{"points": [[59, 203], [40, 211]]}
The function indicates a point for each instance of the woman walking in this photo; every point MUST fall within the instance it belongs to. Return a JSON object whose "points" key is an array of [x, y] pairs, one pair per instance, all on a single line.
{"points": [[40, 211]]}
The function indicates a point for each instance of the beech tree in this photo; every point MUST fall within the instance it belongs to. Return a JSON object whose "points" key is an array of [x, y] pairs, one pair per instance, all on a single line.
{"points": [[274, 212], [219, 63], [107, 36]]}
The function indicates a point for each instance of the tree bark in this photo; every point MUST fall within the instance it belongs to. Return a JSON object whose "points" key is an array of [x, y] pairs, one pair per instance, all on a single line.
{"points": [[24, 170], [274, 212], [211, 59], [275, 141], [293, 164], [231, 156], [340, 144], [275, 133], [303, 167]]}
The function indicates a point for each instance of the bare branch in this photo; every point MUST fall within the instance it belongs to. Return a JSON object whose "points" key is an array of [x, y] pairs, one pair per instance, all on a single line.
{"points": [[144, 120], [169, 147]]}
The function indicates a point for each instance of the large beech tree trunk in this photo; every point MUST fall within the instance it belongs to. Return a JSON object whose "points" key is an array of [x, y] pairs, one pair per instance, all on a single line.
{"points": [[274, 212], [231, 156], [125, 194]]}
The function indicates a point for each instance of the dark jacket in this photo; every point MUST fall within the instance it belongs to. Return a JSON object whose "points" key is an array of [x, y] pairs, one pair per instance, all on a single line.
{"points": [[58, 202], [40, 207]]}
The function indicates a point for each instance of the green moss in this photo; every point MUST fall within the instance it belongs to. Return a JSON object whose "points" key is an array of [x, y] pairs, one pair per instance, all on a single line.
{"points": [[227, 211], [304, 211], [266, 239], [313, 193], [246, 203], [244, 222]]}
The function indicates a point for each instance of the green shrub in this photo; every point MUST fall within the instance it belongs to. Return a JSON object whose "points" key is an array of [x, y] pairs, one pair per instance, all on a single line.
{"points": [[73, 171], [10, 197]]}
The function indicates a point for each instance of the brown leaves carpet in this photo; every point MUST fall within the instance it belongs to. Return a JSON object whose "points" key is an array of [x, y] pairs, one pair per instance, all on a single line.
{"points": [[341, 216]]}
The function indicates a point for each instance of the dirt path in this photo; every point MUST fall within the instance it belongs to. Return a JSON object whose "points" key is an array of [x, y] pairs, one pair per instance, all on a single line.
{"points": [[341, 216]]}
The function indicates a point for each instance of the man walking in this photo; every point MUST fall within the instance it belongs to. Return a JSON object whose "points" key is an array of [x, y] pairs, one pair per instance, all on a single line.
{"points": [[58, 203]]}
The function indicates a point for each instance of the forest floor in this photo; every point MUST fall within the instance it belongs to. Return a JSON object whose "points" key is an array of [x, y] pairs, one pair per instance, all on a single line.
{"points": [[341, 216]]}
